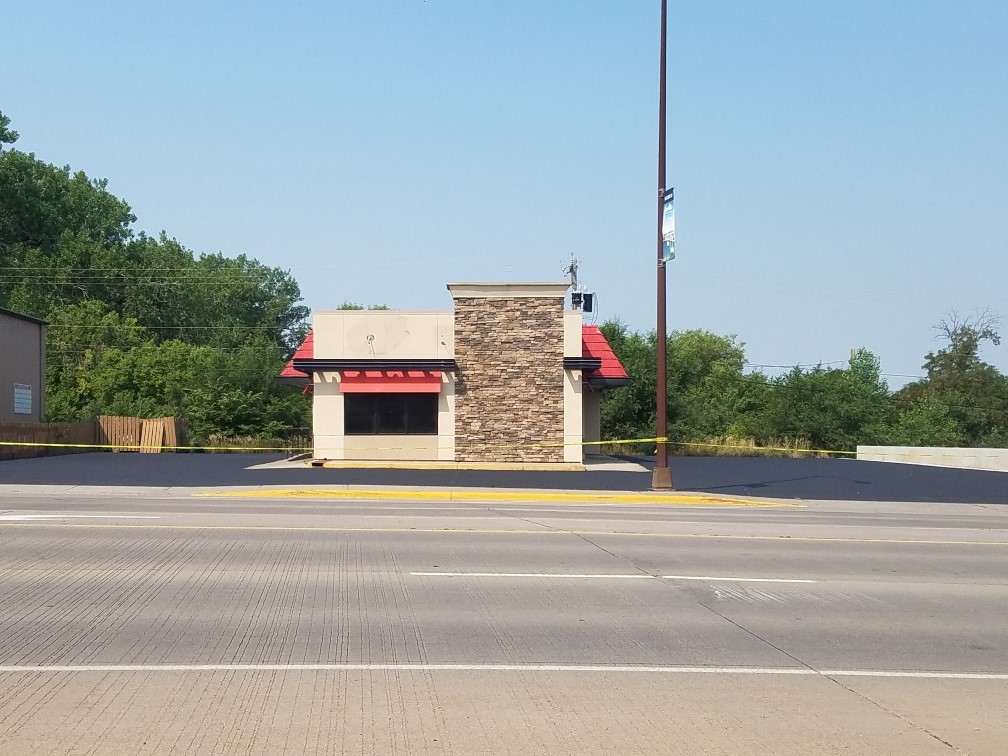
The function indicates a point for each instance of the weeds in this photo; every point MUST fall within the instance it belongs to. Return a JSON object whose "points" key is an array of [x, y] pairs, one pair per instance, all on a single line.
{"points": [[720, 446]]}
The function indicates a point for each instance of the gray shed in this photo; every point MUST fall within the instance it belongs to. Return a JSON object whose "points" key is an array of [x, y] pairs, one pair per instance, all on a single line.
{"points": [[22, 367]]}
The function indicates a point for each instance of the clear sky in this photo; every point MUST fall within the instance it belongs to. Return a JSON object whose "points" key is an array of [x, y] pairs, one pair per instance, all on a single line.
{"points": [[841, 168]]}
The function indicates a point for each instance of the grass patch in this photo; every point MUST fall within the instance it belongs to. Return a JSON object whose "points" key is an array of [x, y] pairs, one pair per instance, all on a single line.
{"points": [[721, 446], [219, 444]]}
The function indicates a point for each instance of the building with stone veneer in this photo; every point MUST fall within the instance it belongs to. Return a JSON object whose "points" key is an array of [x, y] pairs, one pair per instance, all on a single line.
{"points": [[508, 375]]}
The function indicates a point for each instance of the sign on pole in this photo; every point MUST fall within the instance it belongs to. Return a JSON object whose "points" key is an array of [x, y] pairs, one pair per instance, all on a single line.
{"points": [[668, 226]]}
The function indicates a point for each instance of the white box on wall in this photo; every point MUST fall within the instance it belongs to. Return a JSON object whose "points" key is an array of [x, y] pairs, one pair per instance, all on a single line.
{"points": [[22, 399]]}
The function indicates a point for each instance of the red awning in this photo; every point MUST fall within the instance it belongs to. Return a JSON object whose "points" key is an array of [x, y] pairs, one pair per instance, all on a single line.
{"points": [[390, 381]]}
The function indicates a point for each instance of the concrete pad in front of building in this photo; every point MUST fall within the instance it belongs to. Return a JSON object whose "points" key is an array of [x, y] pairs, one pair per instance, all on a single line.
{"points": [[360, 464]]}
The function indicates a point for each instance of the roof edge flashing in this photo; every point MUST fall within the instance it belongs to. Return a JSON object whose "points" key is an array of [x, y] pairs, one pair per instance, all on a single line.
{"points": [[22, 316], [465, 290], [318, 365]]}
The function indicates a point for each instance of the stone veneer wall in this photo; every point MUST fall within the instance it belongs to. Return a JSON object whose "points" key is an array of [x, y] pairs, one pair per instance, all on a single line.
{"points": [[510, 387]]}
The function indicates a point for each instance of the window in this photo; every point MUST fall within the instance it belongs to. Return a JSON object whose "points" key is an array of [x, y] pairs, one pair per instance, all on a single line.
{"points": [[390, 414]]}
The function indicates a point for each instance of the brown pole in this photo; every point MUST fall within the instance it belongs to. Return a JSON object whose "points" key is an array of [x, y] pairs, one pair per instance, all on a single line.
{"points": [[662, 476]]}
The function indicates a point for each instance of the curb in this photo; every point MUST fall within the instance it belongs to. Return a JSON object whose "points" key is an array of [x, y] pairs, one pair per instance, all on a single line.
{"points": [[587, 497]]}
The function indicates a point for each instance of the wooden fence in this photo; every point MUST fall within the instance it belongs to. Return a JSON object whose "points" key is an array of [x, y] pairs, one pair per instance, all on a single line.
{"points": [[44, 433], [105, 431], [137, 434]]}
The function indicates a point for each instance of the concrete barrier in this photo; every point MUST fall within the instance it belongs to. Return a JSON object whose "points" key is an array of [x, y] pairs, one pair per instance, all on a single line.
{"points": [[938, 456]]}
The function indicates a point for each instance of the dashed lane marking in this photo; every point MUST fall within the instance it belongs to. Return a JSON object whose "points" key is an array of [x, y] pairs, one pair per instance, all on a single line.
{"points": [[586, 576], [33, 517]]}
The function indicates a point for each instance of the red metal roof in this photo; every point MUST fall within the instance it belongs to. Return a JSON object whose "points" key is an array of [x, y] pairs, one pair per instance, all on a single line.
{"points": [[305, 351], [594, 344]]}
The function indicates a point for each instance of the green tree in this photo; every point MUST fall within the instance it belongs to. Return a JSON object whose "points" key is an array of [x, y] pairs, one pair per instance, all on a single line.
{"points": [[927, 422], [141, 325], [57, 232], [707, 391], [629, 411], [78, 337], [7, 134], [706, 388], [974, 392], [354, 306], [832, 408]]}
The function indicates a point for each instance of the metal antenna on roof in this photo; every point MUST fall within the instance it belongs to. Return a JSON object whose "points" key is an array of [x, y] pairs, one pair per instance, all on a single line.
{"points": [[572, 270], [576, 295], [581, 298]]}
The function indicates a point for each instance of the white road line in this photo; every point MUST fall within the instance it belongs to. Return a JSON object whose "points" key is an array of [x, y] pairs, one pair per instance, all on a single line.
{"points": [[595, 668], [44, 517], [738, 579], [638, 576], [585, 576]]}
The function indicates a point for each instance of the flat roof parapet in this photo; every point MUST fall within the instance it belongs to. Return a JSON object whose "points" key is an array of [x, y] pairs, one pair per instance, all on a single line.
{"points": [[508, 290]]}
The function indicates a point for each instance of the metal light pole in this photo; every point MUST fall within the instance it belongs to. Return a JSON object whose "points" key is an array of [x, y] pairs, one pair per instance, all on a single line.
{"points": [[662, 476]]}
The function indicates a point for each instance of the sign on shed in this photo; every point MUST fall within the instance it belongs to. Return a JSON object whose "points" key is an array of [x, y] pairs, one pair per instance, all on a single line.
{"points": [[22, 399]]}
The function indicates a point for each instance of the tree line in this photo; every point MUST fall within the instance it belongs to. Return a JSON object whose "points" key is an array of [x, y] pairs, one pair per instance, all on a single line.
{"points": [[140, 325], [144, 326], [960, 401]]}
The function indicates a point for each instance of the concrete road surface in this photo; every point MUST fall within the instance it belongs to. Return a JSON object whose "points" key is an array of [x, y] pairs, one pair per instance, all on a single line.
{"points": [[143, 623]]}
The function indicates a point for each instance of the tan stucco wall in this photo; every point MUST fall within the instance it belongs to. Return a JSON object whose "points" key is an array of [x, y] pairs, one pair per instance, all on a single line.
{"points": [[330, 443], [446, 419], [592, 403], [388, 334], [572, 333], [327, 417], [573, 417], [22, 360], [411, 448]]}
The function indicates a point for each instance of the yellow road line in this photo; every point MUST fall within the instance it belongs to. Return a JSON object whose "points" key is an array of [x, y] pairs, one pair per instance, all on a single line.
{"points": [[479, 496], [504, 531]]}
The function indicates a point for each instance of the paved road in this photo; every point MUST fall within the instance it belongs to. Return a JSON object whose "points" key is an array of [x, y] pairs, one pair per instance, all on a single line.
{"points": [[135, 624], [827, 479]]}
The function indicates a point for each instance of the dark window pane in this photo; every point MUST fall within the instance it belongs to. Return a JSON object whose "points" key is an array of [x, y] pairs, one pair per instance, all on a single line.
{"points": [[358, 414], [392, 414], [421, 413]]}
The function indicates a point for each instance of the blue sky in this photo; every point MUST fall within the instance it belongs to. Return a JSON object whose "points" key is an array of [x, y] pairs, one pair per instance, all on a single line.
{"points": [[841, 169]]}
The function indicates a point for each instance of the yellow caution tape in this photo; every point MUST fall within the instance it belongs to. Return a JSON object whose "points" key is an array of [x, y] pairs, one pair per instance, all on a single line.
{"points": [[483, 446]]}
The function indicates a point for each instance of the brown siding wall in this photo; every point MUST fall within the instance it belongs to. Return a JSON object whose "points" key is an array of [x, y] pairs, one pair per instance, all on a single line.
{"points": [[22, 360], [510, 388]]}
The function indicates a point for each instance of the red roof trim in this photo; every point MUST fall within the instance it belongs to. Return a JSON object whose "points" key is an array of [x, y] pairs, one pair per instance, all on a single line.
{"points": [[594, 344], [304, 352]]}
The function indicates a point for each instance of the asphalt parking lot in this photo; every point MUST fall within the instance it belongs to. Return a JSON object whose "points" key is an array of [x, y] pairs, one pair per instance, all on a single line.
{"points": [[814, 479]]}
